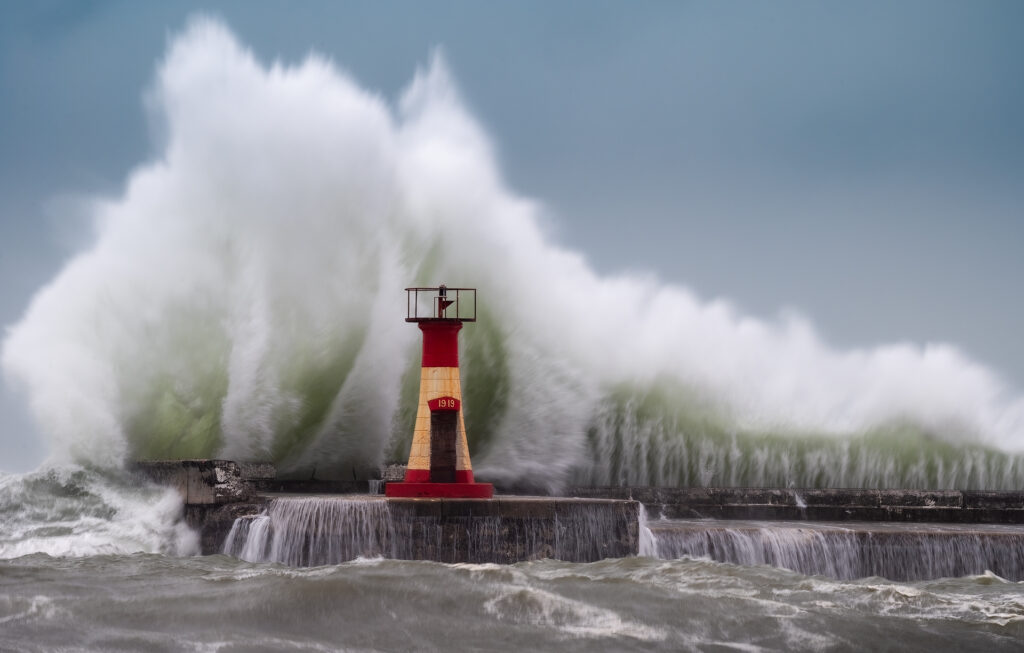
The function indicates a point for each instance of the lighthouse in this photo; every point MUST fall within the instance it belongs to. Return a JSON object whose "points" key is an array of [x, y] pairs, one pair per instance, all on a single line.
{"points": [[439, 464]]}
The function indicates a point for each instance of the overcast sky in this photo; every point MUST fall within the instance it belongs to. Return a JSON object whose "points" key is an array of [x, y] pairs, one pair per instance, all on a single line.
{"points": [[862, 163]]}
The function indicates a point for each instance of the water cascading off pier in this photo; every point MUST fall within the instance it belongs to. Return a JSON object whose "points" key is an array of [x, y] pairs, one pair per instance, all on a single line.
{"points": [[846, 551], [900, 535], [320, 530]]}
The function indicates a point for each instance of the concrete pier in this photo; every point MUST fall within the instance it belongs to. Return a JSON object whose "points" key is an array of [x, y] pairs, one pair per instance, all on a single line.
{"points": [[594, 523], [304, 530], [847, 550], [505, 529], [515, 529], [937, 506]]}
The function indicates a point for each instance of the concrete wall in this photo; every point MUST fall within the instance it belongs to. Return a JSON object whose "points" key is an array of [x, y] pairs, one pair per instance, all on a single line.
{"points": [[205, 482], [504, 529], [329, 529], [954, 506], [514, 529], [594, 523]]}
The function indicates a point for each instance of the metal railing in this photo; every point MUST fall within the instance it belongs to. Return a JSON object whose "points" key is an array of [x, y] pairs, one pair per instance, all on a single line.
{"points": [[440, 303]]}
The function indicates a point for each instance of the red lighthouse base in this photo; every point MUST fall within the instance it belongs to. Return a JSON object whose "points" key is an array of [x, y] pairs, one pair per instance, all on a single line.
{"points": [[440, 490]]}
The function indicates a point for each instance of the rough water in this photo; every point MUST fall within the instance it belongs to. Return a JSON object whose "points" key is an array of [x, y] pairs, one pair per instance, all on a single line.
{"points": [[91, 562], [79, 512], [158, 603]]}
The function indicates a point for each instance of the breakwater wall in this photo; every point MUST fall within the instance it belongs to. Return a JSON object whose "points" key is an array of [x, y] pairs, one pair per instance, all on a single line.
{"points": [[848, 550], [318, 530], [226, 503], [934, 506], [244, 511]]}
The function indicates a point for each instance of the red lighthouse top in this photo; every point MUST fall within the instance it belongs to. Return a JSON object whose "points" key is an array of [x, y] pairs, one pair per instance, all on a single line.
{"points": [[440, 303]]}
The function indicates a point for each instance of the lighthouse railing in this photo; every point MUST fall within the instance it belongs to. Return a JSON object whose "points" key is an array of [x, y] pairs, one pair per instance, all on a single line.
{"points": [[440, 303]]}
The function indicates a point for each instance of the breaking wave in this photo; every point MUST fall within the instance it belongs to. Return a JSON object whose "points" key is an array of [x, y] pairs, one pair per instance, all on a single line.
{"points": [[77, 512], [242, 298]]}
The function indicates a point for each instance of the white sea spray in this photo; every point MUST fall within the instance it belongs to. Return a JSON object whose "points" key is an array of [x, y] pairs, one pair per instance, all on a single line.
{"points": [[242, 298]]}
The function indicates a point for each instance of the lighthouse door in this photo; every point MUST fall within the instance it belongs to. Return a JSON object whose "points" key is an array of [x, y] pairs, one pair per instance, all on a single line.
{"points": [[442, 445]]}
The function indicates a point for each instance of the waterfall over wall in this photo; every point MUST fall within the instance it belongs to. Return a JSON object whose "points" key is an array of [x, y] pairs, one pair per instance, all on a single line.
{"points": [[320, 530], [310, 531], [850, 550]]}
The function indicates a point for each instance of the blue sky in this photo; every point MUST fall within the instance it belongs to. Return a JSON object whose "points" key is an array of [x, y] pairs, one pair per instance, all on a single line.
{"points": [[862, 163]]}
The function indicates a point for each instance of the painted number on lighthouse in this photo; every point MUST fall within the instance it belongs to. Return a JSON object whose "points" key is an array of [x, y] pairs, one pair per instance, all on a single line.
{"points": [[444, 403]]}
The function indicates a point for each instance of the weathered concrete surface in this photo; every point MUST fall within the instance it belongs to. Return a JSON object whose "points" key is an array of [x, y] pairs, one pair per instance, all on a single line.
{"points": [[311, 486], [510, 529], [952, 506], [392, 472], [257, 471], [200, 482]]}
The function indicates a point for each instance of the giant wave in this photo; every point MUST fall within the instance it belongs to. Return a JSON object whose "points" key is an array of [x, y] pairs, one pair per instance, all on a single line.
{"points": [[242, 299]]}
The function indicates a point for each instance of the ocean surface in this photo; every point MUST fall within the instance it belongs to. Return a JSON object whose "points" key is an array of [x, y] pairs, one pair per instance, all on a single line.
{"points": [[158, 602], [89, 561]]}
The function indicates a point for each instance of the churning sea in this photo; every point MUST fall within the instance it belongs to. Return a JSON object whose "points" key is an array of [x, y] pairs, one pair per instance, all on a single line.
{"points": [[90, 562]]}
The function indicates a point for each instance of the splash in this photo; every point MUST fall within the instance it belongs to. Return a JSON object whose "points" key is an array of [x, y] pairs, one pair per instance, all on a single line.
{"points": [[243, 299], [77, 512]]}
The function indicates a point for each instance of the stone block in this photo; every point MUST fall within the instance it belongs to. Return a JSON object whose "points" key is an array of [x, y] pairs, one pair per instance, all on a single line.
{"points": [[987, 500], [257, 471], [392, 472], [526, 507], [469, 508], [200, 482]]}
